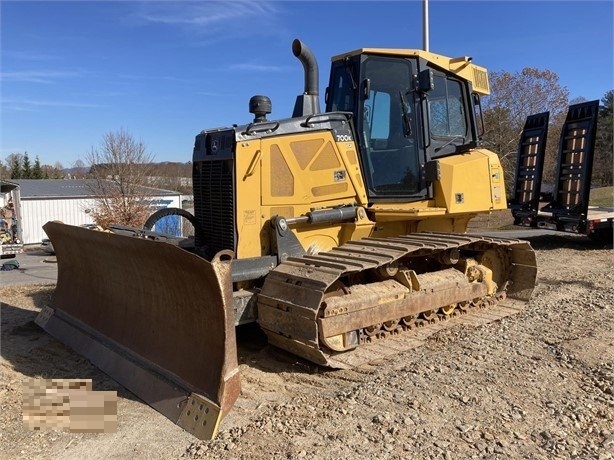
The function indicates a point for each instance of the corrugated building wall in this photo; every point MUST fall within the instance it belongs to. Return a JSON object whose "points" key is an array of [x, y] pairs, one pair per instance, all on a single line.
{"points": [[37, 212], [67, 200]]}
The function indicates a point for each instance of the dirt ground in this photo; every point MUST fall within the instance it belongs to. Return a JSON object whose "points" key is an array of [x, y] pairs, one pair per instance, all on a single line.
{"points": [[535, 385]]}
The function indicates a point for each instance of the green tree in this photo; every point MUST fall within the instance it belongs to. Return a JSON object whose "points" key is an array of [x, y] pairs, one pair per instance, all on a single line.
{"points": [[603, 162], [513, 97], [37, 171], [26, 167]]}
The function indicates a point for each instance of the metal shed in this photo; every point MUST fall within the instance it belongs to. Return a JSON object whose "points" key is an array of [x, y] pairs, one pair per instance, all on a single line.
{"points": [[69, 201]]}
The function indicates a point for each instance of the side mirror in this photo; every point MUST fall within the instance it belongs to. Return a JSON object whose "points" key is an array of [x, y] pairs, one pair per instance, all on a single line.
{"points": [[426, 81], [326, 94], [366, 88]]}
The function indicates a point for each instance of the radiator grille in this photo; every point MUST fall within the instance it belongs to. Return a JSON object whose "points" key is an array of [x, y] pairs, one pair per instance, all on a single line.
{"points": [[214, 204]]}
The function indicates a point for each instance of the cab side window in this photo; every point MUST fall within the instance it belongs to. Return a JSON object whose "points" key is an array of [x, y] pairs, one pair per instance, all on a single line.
{"points": [[447, 116], [342, 98]]}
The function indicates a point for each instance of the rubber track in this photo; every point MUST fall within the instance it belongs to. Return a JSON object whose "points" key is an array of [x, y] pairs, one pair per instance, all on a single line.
{"points": [[290, 299]]}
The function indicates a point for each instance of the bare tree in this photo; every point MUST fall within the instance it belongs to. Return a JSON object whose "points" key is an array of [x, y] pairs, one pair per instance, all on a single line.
{"points": [[119, 169], [14, 162], [4, 172], [79, 169], [603, 166], [173, 176], [53, 172], [514, 96]]}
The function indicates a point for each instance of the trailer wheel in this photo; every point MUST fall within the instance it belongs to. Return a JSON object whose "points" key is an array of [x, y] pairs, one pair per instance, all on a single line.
{"points": [[165, 212]]}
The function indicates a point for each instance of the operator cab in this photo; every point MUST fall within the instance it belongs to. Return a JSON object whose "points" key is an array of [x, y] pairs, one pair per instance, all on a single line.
{"points": [[407, 112]]}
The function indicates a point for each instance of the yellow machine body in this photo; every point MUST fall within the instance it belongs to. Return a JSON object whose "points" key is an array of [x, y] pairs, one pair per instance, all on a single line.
{"points": [[338, 231], [292, 175]]}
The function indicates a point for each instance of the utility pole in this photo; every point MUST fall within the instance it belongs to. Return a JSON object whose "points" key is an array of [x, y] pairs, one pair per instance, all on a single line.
{"points": [[425, 25]]}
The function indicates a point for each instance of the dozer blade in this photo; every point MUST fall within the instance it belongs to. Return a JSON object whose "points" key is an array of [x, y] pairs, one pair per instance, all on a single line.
{"points": [[154, 317]]}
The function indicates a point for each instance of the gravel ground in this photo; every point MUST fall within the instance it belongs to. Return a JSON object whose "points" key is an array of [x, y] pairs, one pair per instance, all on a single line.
{"points": [[535, 385]]}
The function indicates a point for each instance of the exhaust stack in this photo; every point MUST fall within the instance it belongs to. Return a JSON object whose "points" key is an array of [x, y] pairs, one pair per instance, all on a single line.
{"points": [[307, 103]]}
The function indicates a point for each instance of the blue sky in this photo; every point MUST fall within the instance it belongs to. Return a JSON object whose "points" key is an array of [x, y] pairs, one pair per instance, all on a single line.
{"points": [[73, 71]]}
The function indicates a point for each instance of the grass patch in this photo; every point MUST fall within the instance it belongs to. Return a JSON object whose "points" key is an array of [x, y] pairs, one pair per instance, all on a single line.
{"points": [[603, 196], [496, 220]]}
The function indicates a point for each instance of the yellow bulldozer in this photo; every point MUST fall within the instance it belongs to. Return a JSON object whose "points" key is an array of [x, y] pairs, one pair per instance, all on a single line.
{"points": [[340, 232]]}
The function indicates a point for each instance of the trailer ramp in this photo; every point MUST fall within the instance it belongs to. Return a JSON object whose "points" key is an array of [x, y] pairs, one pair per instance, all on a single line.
{"points": [[569, 207], [529, 169]]}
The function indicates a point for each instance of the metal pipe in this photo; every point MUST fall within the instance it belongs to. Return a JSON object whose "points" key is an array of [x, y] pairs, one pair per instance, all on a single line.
{"points": [[425, 25], [304, 54]]}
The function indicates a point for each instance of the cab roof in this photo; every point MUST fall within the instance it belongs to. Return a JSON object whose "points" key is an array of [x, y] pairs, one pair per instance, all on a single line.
{"points": [[461, 66]]}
